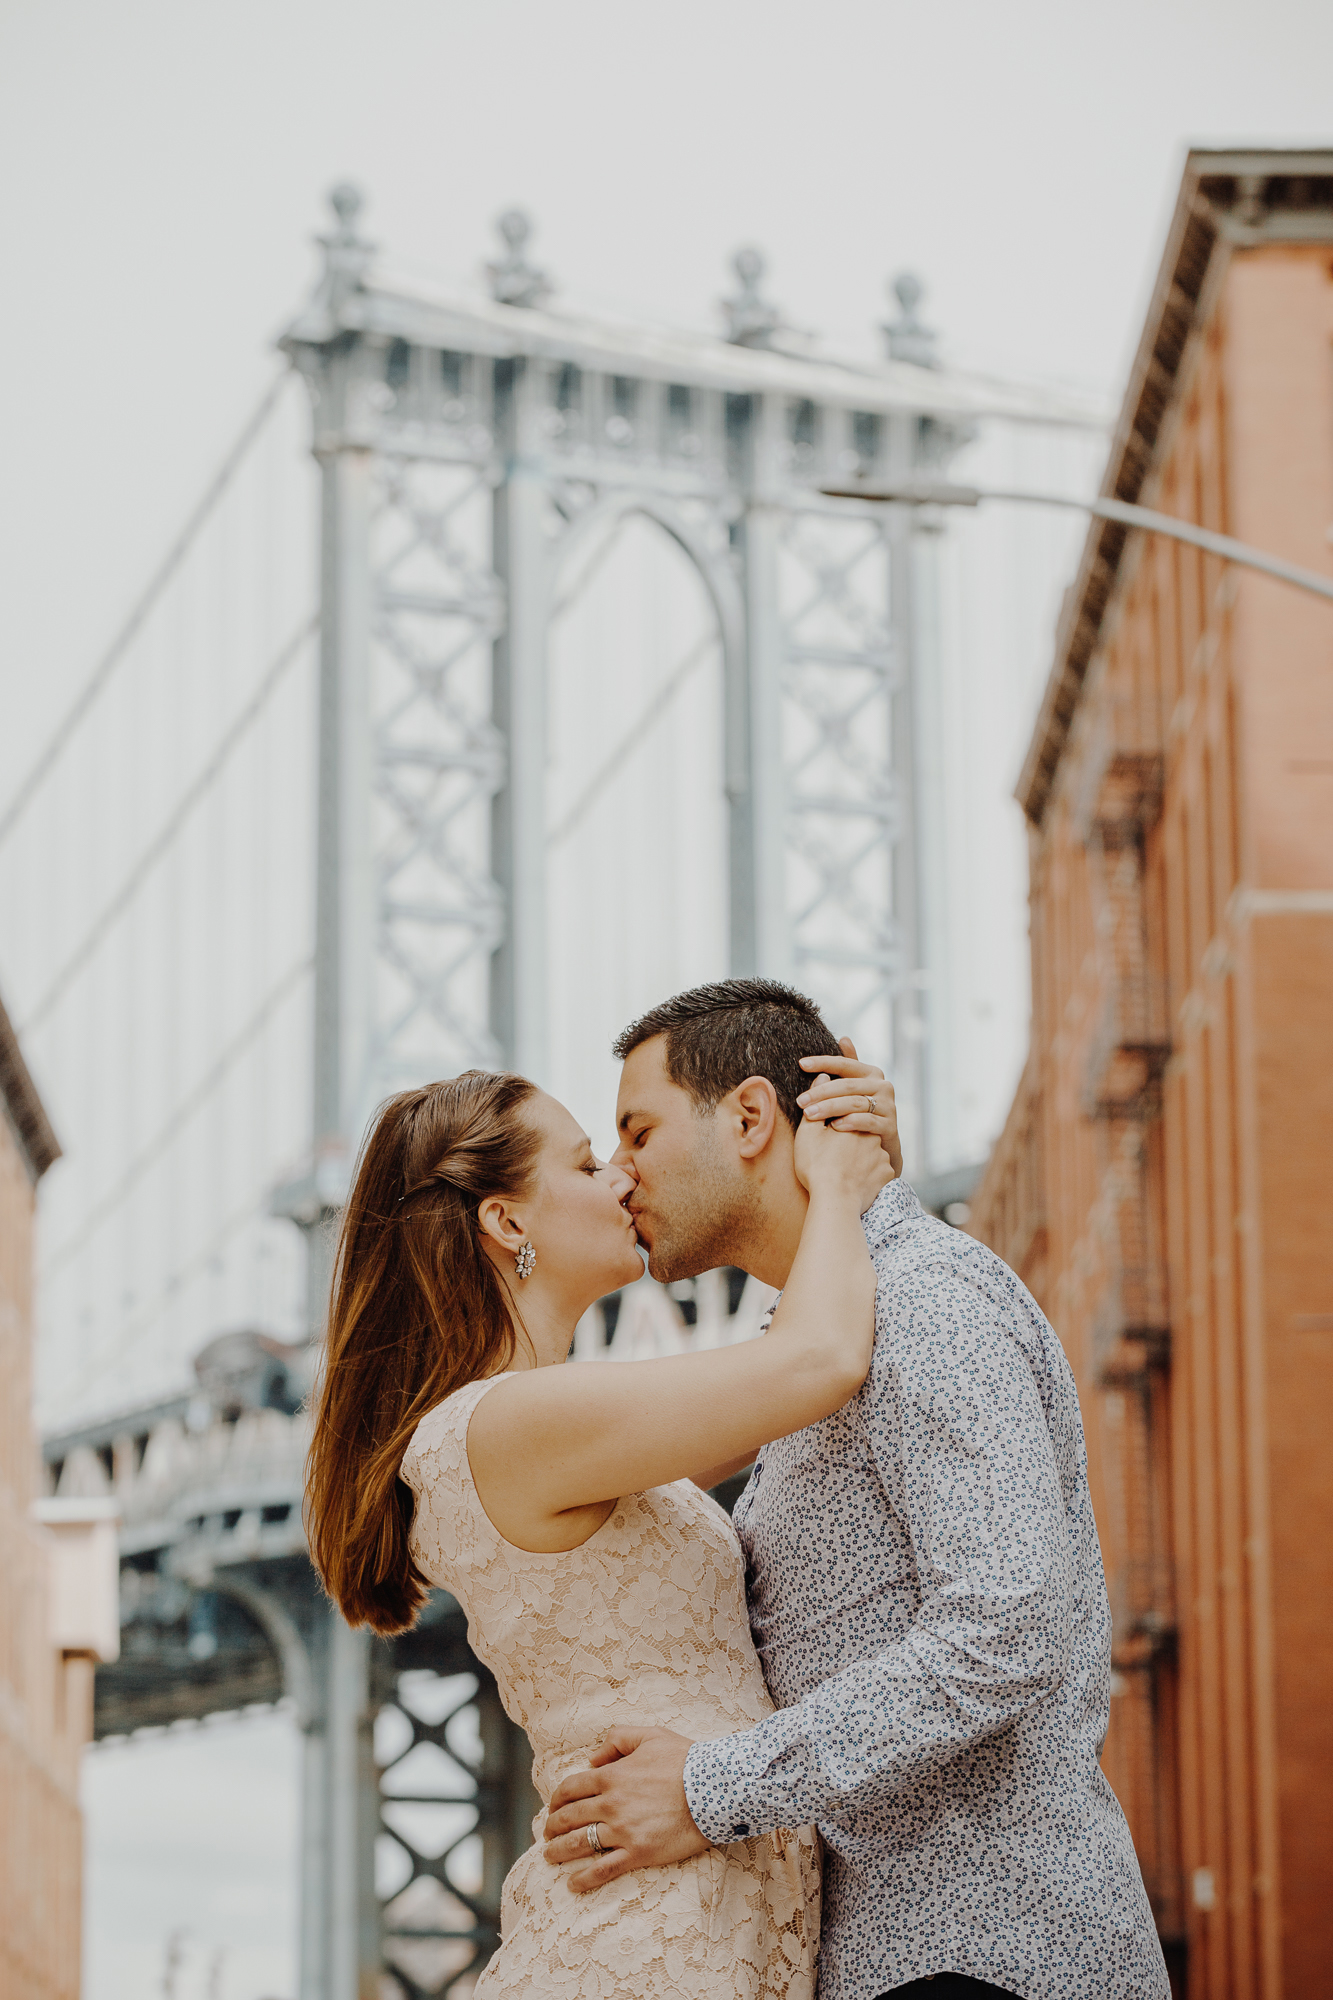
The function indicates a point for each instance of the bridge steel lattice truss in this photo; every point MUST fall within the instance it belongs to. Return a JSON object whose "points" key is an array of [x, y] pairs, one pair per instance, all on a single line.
{"points": [[469, 450]]}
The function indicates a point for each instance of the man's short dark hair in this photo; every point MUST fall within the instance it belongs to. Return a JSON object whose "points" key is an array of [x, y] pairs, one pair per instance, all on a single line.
{"points": [[718, 1035]]}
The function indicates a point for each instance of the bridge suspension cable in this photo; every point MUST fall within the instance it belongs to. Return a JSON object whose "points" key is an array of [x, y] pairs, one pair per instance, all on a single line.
{"points": [[162, 840], [102, 1364], [129, 631], [632, 739], [597, 560], [180, 1117]]}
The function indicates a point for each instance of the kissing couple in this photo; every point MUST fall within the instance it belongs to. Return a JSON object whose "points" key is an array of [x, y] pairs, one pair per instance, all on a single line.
{"points": [[892, 1671]]}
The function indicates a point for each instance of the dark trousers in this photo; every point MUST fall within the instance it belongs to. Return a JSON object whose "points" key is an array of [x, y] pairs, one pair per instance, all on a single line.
{"points": [[949, 1986]]}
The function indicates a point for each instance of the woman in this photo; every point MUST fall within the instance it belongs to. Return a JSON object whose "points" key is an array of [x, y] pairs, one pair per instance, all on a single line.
{"points": [[600, 1584]]}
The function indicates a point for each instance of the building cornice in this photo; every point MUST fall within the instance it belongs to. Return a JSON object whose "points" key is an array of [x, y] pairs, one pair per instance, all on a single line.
{"points": [[23, 1107], [1228, 200]]}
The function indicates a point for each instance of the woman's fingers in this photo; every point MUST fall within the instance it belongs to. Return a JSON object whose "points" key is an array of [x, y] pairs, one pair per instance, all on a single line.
{"points": [[849, 1104], [840, 1066], [858, 1099]]}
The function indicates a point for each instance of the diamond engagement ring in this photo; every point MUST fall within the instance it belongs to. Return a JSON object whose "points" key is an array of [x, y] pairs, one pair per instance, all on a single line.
{"points": [[594, 1838]]}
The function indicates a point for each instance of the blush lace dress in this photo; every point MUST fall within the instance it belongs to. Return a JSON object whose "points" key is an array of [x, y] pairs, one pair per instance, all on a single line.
{"points": [[645, 1623]]}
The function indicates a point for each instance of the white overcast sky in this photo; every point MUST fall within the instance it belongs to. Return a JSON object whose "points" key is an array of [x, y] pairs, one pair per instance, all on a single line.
{"points": [[163, 165]]}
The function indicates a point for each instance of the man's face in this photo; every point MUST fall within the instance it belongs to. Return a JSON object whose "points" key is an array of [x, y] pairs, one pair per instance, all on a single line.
{"points": [[692, 1199]]}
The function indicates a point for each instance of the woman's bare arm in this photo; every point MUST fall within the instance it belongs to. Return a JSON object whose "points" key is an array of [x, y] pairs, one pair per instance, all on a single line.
{"points": [[552, 1449]]}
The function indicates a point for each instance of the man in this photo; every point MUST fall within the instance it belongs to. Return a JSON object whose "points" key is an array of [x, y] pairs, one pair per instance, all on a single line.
{"points": [[925, 1584]]}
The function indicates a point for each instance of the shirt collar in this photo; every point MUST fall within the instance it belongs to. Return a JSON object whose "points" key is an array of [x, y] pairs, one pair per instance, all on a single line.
{"points": [[891, 1208]]}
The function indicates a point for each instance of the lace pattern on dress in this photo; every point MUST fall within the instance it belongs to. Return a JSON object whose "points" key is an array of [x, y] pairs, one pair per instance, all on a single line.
{"points": [[646, 1622]]}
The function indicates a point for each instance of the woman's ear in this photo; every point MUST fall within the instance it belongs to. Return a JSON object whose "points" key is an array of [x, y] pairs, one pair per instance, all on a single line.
{"points": [[757, 1109], [497, 1220]]}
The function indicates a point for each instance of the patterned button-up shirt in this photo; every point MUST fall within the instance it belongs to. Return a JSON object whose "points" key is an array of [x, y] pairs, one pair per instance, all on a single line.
{"points": [[927, 1598]]}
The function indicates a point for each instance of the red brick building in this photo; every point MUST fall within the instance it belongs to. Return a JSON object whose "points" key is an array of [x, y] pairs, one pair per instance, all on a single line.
{"points": [[58, 1616], [1164, 1180]]}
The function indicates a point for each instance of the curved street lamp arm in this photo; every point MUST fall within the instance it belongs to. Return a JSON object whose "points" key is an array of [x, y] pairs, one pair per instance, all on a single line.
{"points": [[942, 493]]}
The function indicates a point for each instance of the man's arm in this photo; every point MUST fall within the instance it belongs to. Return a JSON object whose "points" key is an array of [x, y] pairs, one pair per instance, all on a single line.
{"points": [[960, 1437]]}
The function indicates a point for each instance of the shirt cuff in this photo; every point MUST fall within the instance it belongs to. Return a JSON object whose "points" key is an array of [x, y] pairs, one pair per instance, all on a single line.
{"points": [[722, 1804]]}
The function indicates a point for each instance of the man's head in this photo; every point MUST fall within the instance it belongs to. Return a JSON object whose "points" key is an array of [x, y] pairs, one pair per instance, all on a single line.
{"points": [[707, 1116]]}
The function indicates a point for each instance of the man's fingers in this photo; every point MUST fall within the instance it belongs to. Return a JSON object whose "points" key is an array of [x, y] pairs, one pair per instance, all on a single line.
{"points": [[587, 1870], [572, 1818], [614, 1862], [574, 1846], [578, 1785], [620, 1743]]}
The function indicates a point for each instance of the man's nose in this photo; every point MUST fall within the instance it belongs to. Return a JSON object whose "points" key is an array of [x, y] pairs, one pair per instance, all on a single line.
{"points": [[621, 1157], [626, 1180]]}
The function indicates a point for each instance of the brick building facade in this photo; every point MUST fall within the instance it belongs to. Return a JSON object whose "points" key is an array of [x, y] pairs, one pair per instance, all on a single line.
{"points": [[1164, 1178], [57, 1606]]}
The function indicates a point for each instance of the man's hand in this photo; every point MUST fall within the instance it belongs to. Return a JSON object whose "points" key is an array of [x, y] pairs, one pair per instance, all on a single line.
{"points": [[635, 1794], [852, 1096]]}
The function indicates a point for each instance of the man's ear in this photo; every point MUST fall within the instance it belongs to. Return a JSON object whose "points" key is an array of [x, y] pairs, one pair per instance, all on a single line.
{"points": [[756, 1109], [496, 1219]]}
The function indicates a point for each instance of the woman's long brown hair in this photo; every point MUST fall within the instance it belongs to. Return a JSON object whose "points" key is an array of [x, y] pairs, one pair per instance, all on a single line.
{"points": [[417, 1310]]}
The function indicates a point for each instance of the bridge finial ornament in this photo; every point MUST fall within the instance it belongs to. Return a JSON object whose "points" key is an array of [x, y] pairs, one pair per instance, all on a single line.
{"points": [[751, 320], [908, 338], [346, 200], [347, 254], [514, 281]]}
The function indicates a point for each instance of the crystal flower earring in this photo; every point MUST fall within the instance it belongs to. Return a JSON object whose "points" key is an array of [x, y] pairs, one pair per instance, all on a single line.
{"points": [[527, 1261]]}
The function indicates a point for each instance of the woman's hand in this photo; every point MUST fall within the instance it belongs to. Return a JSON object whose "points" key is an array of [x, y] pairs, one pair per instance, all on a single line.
{"points": [[852, 1096], [840, 1166]]}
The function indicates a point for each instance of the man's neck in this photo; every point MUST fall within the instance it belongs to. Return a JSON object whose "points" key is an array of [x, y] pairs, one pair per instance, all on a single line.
{"points": [[774, 1234]]}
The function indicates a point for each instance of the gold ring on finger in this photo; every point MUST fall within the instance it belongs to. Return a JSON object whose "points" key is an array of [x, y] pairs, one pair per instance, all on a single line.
{"points": [[594, 1838], [870, 1106]]}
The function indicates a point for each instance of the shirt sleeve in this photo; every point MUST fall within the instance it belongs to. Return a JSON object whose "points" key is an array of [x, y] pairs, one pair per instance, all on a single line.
{"points": [[960, 1440]]}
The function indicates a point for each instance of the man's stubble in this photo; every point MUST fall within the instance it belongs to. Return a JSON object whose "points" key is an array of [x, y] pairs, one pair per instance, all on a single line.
{"points": [[705, 1216]]}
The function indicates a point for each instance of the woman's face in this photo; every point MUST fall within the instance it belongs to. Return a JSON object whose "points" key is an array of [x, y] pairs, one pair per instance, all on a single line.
{"points": [[581, 1230]]}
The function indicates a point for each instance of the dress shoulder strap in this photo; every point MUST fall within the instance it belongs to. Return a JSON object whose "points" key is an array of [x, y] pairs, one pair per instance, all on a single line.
{"points": [[450, 1521]]}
